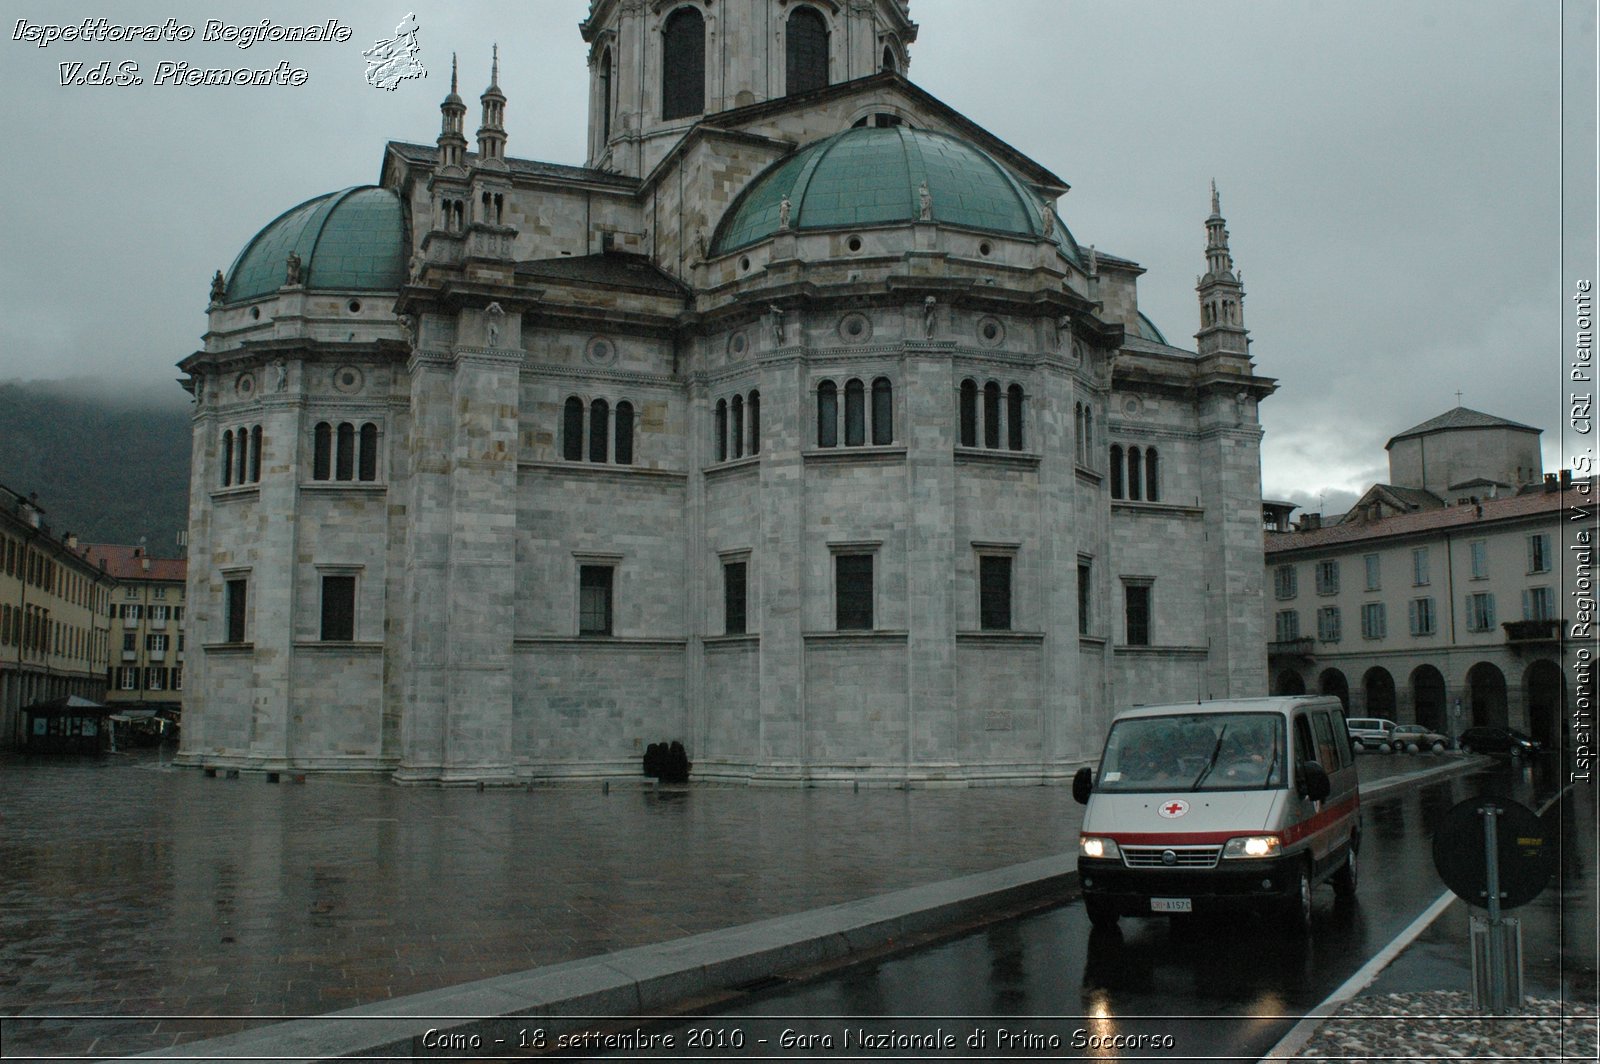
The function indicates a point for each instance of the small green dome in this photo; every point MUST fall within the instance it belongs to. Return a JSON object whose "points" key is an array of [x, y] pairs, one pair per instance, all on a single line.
{"points": [[874, 176], [354, 239]]}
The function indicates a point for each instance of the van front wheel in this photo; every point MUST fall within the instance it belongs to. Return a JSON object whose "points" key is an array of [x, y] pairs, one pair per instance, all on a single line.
{"points": [[1297, 906], [1345, 879], [1102, 913]]}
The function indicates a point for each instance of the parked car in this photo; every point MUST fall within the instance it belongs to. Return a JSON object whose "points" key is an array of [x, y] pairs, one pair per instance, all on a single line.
{"points": [[1414, 738], [1498, 741], [1370, 733]]}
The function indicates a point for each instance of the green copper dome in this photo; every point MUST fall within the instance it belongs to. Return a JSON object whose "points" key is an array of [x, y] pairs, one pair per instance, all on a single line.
{"points": [[873, 176], [354, 239]]}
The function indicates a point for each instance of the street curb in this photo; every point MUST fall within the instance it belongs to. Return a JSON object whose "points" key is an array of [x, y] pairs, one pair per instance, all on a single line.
{"points": [[635, 981]]}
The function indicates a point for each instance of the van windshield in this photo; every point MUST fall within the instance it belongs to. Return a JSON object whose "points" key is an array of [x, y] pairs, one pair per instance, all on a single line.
{"points": [[1197, 751]]}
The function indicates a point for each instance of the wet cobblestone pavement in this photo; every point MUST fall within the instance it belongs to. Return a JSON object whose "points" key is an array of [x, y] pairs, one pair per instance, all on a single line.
{"points": [[127, 889]]}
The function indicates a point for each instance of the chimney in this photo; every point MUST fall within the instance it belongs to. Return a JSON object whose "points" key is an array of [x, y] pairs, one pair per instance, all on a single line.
{"points": [[71, 539], [1310, 522], [1566, 479], [144, 563]]}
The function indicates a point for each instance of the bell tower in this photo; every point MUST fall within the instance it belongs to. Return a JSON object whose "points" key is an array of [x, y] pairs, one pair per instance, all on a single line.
{"points": [[658, 67], [1221, 290]]}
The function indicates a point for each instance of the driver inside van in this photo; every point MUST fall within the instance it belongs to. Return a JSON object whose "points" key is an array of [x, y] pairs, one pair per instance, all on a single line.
{"points": [[1246, 755]]}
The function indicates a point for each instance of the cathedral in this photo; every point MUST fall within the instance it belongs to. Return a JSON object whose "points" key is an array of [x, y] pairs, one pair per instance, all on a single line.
{"points": [[795, 426]]}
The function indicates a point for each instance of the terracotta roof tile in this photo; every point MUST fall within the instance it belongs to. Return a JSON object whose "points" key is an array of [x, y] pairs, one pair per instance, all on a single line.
{"points": [[1515, 506], [126, 563]]}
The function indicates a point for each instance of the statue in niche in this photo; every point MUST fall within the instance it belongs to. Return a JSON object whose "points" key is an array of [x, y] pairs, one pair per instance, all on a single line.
{"points": [[783, 213], [496, 319], [699, 245], [924, 203], [293, 272], [778, 329], [929, 311], [280, 375], [219, 287], [1064, 330]]}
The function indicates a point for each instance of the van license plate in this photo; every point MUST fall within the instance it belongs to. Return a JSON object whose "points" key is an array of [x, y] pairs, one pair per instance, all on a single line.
{"points": [[1171, 905]]}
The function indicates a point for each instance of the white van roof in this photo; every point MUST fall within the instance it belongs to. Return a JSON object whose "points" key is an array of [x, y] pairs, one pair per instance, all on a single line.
{"points": [[1275, 704]]}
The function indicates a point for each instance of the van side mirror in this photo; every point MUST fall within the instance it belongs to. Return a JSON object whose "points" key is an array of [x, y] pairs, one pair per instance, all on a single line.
{"points": [[1311, 781], [1082, 785]]}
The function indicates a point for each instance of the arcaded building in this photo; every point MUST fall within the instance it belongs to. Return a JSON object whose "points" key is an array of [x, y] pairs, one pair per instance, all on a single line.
{"points": [[794, 425]]}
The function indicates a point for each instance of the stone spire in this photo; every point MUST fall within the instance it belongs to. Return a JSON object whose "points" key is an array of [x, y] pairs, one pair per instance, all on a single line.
{"points": [[452, 138], [492, 134], [1221, 292]]}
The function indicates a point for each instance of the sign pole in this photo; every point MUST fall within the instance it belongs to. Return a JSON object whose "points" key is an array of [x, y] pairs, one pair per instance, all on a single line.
{"points": [[1491, 857]]}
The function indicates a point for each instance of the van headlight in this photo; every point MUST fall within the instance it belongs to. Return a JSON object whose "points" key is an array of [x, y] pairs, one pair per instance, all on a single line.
{"points": [[1253, 846], [1094, 846]]}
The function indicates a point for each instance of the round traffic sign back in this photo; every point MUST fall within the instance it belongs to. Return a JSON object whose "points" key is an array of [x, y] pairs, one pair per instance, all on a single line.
{"points": [[1525, 851]]}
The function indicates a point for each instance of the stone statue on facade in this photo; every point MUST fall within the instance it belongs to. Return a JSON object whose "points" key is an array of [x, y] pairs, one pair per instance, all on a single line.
{"points": [[293, 270], [778, 329], [414, 270], [783, 213], [199, 390], [219, 288], [408, 323], [700, 245], [1049, 218], [280, 375], [496, 318], [929, 311], [1094, 262], [924, 203]]}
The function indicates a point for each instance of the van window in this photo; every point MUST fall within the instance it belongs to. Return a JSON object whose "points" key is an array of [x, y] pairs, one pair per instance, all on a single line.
{"points": [[1327, 749], [1304, 748], [1203, 751], [1341, 736]]}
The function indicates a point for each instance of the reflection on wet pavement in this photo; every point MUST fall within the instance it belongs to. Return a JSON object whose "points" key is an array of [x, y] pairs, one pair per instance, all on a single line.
{"points": [[131, 890]]}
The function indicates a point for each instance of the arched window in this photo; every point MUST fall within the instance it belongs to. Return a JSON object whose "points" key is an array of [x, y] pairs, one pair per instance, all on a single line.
{"points": [[1152, 484], [322, 451], [754, 408], [991, 415], [969, 413], [882, 411], [572, 430], [599, 430], [1077, 418], [1116, 471], [828, 414], [807, 40], [624, 433], [1014, 417], [255, 455], [605, 95], [722, 430], [1134, 475], [227, 458], [344, 467], [888, 61], [369, 452], [738, 426], [855, 413], [241, 456], [683, 64]]}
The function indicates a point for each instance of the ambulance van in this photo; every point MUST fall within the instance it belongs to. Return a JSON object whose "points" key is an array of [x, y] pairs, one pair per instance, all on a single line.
{"points": [[1244, 803]]}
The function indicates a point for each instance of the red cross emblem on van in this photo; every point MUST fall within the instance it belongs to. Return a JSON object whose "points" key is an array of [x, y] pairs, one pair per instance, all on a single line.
{"points": [[1174, 809]]}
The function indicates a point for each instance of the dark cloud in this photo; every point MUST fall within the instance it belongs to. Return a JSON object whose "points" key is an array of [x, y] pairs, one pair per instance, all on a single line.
{"points": [[1390, 173]]}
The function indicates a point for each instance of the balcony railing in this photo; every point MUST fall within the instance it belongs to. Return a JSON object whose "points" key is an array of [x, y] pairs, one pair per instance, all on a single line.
{"points": [[1291, 648], [1531, 634]]}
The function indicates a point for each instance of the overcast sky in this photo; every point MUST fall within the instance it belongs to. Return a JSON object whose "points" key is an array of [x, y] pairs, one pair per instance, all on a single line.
{"points": [[1390, 172]]}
